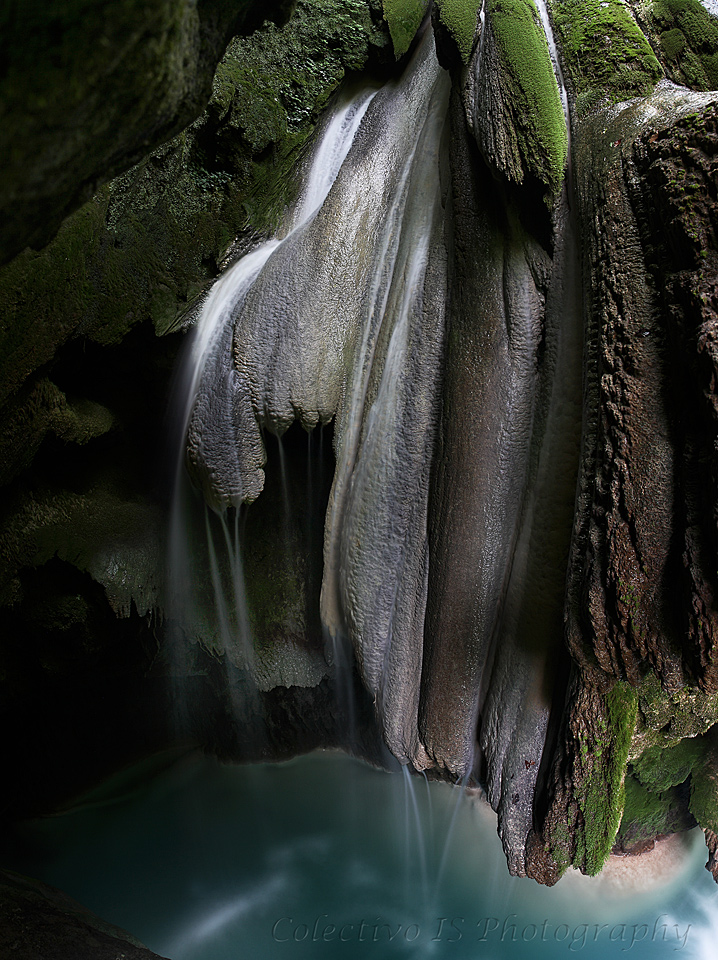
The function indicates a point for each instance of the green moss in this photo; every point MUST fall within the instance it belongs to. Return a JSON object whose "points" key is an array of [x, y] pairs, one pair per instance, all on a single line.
{"points": [[404, 19], [646, 814], [601, 791], [643, 810], [460, 18], [710, 65], [526, 65], [666, 718], [662, 767], [605, 51], [268, 93], [685, 36], [673, 43]]}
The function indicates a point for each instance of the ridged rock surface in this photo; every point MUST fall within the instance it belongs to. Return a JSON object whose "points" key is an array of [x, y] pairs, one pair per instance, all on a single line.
{"points": [[640, 459], [344, 320]]}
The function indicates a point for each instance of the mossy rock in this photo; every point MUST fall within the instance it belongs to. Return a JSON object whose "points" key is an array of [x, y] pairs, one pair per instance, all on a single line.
{"points": [[704, 795], [605, 53], [648, 814], [404, 18], [42, 408], [673, 43], [666, 719], [534, 100], [662, 767], [684, 36], [603, 795], [460, 17], [582, 825], [88, 89]]}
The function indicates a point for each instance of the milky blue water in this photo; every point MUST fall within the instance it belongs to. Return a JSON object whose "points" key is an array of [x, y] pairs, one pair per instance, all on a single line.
{"points": [[326, 857]]}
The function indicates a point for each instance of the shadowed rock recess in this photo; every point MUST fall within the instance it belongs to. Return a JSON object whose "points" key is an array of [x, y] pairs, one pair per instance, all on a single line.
{"points": [[446, 488]]}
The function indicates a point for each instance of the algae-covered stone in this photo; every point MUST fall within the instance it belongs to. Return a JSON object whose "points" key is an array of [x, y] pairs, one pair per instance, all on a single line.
{"points": [[100, 530], [40, 408], [666, 719], [662, 767], [587, 793], [514, 103], [404, 18], [604, 51], [684, 37], [648, 815], [704, 790], [460, 17]]}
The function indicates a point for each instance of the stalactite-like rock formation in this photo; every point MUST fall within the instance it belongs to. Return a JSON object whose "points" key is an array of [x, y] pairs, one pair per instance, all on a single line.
{"points": [[502, 297]]}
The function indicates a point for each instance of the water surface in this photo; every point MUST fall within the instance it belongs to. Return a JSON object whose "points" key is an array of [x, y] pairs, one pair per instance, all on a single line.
{"points": [[326, 857]]}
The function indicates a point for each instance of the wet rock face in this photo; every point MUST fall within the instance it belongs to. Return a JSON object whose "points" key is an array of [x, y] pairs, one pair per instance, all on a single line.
{"points": [[678, 169], [651, 519], [712, 844], [632, 532]]}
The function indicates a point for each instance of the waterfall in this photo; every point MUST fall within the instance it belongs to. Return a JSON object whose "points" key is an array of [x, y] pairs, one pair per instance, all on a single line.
{"points": [[339, 317], [342, 318], [374, 591], [208, 423]]}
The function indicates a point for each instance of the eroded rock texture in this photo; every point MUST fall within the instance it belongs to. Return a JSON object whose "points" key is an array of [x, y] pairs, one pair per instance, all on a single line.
{"points": [[639, 470]]}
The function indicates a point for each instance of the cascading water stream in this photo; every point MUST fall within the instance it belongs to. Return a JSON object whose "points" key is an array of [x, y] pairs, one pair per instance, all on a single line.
{"points": [[343, 319], [375, 539], [207, 388], [555, 59]]}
